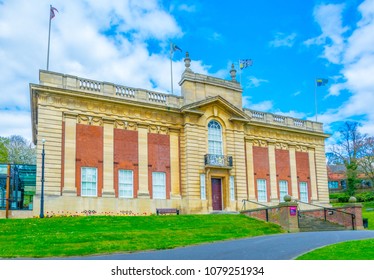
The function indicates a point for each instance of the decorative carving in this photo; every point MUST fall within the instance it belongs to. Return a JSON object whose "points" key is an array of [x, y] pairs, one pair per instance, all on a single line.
{"points": [[89, 120], [158, 129], [125, 125]]}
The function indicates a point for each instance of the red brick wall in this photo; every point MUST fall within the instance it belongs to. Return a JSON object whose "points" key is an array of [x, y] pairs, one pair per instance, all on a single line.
{"points": [[89, 153], [282, 161], [126, 156], [159, 158], [303, 171], [261, 167]]}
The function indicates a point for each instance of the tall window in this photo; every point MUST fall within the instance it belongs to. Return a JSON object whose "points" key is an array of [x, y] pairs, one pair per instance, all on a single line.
{"points": [[261, 190], [303, 188], [202, 187], [159, 185], [125, 183], [283, 189], [89, 181], [232, 188], [214, 138]]}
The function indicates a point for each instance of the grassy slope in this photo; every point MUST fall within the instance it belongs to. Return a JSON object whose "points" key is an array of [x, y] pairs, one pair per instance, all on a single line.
{"points": [[69, 236]]}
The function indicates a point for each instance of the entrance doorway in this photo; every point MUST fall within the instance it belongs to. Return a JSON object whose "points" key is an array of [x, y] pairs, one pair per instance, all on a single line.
{"points": [[216, 194]]}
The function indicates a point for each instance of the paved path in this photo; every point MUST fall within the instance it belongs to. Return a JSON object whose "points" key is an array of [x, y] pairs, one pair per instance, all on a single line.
{"points": [[270, 247]]}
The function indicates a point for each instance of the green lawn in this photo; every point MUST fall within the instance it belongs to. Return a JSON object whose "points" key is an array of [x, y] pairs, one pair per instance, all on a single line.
{"points": [[74, 236], [350, 250]]}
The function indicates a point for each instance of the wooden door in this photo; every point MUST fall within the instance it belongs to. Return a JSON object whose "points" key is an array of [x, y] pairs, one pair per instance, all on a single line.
{"points": [[216, 194]]}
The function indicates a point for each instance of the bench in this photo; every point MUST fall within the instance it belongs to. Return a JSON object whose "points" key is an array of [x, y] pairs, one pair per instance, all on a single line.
{"points": [[160, 211]]}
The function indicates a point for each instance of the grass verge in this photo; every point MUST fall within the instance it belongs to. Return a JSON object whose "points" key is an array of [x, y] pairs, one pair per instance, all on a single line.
{"points": [[75, 236], [350, 250]]}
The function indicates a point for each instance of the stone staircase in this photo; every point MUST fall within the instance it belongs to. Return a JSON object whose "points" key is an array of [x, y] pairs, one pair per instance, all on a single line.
{"points": [[308, 223]]}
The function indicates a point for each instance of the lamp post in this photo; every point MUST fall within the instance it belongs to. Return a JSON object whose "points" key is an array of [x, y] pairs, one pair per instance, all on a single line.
{"points": [[42, 180]]}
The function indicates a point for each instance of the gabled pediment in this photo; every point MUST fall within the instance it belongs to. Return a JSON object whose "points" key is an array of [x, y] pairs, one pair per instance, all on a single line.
{"points": [[198, 108]]}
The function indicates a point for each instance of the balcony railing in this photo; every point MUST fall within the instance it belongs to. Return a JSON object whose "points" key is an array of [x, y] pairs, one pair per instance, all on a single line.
{"points": [[218, 160]]}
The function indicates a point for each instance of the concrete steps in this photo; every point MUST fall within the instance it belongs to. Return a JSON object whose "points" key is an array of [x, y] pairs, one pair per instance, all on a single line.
{"points": [[308, 223]]}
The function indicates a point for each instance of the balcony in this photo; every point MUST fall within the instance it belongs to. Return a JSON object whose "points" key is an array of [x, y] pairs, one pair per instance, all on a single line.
{"points": [[221, 161]]}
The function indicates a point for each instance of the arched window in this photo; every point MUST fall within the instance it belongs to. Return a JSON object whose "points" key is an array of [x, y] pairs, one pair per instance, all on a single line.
{"points": [[214, 138]]}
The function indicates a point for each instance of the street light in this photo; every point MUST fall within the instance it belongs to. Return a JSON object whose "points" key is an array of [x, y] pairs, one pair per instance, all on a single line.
{"points": [[42, 180]]}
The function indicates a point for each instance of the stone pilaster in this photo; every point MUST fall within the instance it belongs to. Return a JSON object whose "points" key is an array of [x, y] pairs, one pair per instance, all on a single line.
{"points": [[273, 173], [293, 170], [174, 164], [143, 161], [313, 178], [69, 187], [250, 170], [108, 186]]}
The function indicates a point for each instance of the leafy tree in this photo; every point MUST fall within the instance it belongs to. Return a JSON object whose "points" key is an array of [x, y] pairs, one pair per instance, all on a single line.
{"points": [[366, 163], [18, 150]]}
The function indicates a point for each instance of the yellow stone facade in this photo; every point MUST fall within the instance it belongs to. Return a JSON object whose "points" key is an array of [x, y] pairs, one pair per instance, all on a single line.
{"points": [[60, 103]]}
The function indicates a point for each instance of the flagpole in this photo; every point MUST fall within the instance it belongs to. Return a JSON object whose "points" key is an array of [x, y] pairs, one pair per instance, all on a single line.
{"points": [[240, 72], [315, 97], [49, 36], [171, 67]]}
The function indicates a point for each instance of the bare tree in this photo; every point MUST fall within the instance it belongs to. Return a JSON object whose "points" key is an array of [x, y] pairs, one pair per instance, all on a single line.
{"points": [[20, 151], [350, 147]]}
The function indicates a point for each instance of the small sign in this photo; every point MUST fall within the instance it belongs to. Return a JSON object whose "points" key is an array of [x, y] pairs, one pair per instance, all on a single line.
{"points": [[293, 210]]}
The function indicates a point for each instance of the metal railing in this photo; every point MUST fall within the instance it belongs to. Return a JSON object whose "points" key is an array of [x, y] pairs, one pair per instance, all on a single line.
{"points": [[327, 212], [218, 160], [263, 208]]}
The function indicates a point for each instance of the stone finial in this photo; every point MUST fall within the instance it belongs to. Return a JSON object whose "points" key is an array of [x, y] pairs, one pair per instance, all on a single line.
{"points": [[352, 199], [233, 73], [187, 62]]}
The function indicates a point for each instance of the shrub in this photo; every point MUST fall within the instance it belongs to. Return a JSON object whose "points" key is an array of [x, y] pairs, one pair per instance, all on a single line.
{"points": [[339, 197], [365, 196]]}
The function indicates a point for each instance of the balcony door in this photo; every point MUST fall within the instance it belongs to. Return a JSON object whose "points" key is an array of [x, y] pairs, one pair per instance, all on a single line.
{"points": [[215, 138], [216, 194]]}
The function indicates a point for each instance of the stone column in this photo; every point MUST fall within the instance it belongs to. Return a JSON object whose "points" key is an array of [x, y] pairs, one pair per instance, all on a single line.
{"points": [[293, 170], [143, 161], [69, 187], [250, 170], [108, 186], [174, 164], [313, 178], [273, 173]]}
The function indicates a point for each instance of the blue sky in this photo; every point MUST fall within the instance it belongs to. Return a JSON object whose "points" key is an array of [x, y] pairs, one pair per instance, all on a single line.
{"points": [[127, 42]]}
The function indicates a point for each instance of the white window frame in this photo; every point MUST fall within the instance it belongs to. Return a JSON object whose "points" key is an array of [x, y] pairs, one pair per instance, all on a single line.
{"points": [[262, 195], [232, 188], [303, 190], [89, 181], [159, 185], [202, 186], [215, 143], [283, 189], [125, 183]]}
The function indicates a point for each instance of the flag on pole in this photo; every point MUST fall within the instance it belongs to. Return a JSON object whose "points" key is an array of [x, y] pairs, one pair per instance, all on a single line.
{"points": [[321, 82], [52, 12], [244, 63], [174, 48]]}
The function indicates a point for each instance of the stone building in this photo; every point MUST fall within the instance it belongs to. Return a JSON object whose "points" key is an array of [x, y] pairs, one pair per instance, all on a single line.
{"points": [[113, 149]]}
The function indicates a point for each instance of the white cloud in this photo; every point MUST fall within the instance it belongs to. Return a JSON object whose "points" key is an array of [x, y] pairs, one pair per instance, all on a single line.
{"points": [[354, 52], [255, 82], [97, 39], [283, 40], [329, 17]]}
